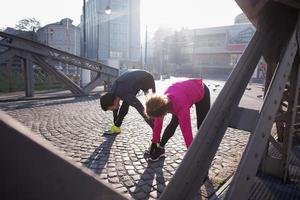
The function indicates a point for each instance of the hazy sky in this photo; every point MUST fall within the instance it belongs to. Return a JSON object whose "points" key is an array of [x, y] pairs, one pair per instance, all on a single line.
{"points": [[154, 13]]}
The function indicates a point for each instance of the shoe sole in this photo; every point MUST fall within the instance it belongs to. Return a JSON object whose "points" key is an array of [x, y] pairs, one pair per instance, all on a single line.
{"points": [[153, 160], [147, 152], [111, 133]]}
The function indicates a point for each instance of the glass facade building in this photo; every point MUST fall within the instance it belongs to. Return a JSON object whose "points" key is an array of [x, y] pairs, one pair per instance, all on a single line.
{"points": [[112, 36]]}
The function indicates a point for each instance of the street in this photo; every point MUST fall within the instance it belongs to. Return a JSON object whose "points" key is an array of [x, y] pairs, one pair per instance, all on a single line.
{"points": [[75, 127]]}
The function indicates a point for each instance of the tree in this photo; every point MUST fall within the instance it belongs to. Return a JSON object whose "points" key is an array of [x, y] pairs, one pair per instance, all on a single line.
{"points": [[176, 45], [160, 48], [28, 24]]}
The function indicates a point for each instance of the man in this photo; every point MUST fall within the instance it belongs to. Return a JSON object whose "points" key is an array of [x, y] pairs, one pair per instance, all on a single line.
{"points": [[125, 88]]}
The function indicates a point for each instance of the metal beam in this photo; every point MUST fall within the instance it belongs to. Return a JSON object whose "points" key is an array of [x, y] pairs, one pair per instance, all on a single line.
{"points": [[29, 78], [52, 70], [244, 119], [191, 172], [6, 55], [37, 48], [94, 83], [31, 168], [291, 119], [291, 3], [36, 52], [247, 169]]}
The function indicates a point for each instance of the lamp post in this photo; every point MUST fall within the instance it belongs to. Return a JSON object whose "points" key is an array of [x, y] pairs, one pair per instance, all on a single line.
{"points": [[98, 35], [146, 46], [85, 74], [108, 12], [84, 30]]}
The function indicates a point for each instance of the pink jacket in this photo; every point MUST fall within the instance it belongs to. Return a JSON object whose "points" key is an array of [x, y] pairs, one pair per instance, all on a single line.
{"points": [[182, 96]]}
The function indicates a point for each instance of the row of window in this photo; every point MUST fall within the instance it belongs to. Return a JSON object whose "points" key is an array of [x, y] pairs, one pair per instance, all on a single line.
{"points": [[219, 40]]}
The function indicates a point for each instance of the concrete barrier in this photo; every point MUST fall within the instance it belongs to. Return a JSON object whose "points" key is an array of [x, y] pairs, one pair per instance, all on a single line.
{"points": [[30, 168]]}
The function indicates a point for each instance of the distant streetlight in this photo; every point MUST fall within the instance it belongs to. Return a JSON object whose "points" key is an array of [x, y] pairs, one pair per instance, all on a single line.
{"points": [[146, 48], [98, 33], [85, 74], [107, 10], [84, 30]]}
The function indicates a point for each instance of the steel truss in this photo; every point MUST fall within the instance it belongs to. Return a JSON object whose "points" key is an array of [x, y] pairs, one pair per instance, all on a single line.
{"points": [[43, 55], [225, 112]]}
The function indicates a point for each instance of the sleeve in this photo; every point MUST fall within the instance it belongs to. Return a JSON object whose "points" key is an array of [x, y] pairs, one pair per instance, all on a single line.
{"points": [[134, 102], [158, 123], [184, 120]]}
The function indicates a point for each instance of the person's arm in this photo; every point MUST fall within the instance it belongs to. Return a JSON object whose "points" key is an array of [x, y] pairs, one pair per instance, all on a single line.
{"points": [[184, 120], [158, 123], [134, 102]]}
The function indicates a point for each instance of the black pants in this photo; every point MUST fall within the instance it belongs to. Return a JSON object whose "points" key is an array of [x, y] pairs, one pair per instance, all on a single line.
{"points": [[202, 108], [120, 114]]}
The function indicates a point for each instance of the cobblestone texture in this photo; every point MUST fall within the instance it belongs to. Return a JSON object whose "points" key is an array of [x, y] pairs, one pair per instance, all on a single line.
{"points": [[75, 126]]}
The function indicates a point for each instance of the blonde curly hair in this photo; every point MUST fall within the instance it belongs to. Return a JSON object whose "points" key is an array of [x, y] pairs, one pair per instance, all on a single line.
{"points": [[157, 106]]}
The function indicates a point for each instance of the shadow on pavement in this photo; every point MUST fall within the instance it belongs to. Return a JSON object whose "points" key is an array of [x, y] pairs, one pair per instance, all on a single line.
{"points": [[98, 159], [152, 181], [207, 190], [45, 102]]}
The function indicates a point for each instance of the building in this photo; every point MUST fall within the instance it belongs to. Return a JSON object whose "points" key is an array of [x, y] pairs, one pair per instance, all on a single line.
{"points": [[217, 50], [31, 35], [112, 37], [64, 36], [241, 18], [213, 52], [203, 52]]}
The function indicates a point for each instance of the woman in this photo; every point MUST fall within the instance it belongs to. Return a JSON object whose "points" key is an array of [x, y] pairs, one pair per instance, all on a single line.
{"points": [[177, 100]]}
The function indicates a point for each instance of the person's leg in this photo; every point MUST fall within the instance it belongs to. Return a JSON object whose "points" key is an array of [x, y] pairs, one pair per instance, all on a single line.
{"points": [[122, 113], [169, 131], [115, 115], [202, 107]]}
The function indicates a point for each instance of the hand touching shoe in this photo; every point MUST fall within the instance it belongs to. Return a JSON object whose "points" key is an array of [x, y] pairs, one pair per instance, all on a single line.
{"points": [[152, 147]]}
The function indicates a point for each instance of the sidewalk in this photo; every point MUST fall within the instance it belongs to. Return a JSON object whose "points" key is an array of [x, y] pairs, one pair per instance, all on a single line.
{"points": [[45, 94], [75, 126]]}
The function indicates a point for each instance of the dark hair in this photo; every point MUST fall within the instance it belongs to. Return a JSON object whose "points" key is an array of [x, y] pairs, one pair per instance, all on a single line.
{"points": [[107, 100]]}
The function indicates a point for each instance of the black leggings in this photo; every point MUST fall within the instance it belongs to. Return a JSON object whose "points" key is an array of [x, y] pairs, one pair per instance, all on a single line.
{"points": [[120, 114], [202, 108]]}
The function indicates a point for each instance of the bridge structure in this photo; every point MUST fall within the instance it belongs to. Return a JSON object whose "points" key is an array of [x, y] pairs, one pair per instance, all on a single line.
{"points": [[272, 152], [31, 52], [273, 147]]}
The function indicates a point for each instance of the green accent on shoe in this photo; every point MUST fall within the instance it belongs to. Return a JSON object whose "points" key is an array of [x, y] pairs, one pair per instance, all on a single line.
{"points": [[113, 130]]}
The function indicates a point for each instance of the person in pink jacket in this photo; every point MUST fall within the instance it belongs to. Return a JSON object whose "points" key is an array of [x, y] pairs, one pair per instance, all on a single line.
{"points": [[177, 100]]}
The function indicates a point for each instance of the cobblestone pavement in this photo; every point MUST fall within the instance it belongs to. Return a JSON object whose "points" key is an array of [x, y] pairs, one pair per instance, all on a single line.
{"points": [[75, 126]]}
